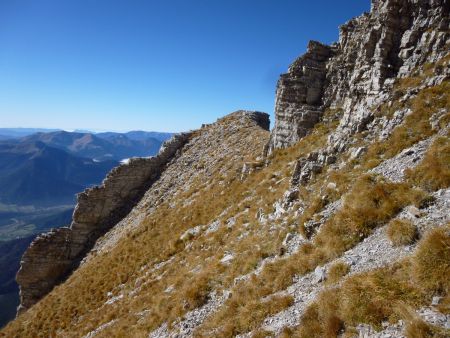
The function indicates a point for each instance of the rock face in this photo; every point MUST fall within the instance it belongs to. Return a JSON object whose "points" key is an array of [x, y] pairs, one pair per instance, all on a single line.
{"points": [[359, 70], [51, 257], [208, 228], [299, 96]]}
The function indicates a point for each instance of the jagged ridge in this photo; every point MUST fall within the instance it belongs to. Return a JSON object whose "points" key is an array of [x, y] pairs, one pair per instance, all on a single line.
{"points": [[52, 256], [202, 262]]}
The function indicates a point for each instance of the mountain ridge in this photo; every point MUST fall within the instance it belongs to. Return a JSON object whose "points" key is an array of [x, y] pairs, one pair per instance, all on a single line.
{"points": [[336, 223]]}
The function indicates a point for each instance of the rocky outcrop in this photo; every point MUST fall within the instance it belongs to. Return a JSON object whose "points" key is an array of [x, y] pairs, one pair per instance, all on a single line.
{"points": [[375, 49], [298, 105], [52, 256], [306, 168], [358, 71]]}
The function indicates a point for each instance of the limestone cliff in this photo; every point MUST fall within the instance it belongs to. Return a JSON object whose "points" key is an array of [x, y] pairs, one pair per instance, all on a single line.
{"points": [[298, 105], [358, 71], [52, 256], [340, 229]]}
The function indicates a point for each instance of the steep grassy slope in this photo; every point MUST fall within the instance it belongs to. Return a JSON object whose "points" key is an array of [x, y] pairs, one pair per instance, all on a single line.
{"points": [[334, 226], [209, 236]]}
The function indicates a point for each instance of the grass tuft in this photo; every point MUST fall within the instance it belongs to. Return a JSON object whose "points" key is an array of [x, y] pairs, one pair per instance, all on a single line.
{"points": [[337, 271], [432, 261], [401, 232], [433, 172]]}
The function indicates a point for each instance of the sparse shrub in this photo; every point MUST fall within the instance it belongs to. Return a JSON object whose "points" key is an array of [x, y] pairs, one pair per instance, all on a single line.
{"points": [[433, 172], [401, 232], [432, 261], [337, 271]]}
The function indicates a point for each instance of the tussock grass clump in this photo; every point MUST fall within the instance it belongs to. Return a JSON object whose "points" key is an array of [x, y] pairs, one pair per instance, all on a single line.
{"points": [[321, 319], [433, 172], [386, 293], [197, 294], [416, 327], [371, 202], [249, 317], [337, 271], [401, 232], [366, 298], [262, 334], [432, 261], [416, 126]]}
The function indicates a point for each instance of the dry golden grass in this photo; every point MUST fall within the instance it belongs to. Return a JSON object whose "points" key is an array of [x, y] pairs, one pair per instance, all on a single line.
{"points": [[321, 318], [366, 298], [337, 271], [371, 202], [385, 293], [157, 240], [262, 334], [401, 232], [416, 126], [433, 172], [248, 317], [195, 269], [432, 261]]}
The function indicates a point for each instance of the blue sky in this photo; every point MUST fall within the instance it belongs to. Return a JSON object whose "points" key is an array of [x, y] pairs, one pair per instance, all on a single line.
{"points": [[167, 65]]}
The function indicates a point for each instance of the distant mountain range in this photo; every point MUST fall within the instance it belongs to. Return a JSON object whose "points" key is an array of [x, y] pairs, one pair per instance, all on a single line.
{"points": [[41, 171], [34, 173], [49, 168], [99, 147], [8, 133]]}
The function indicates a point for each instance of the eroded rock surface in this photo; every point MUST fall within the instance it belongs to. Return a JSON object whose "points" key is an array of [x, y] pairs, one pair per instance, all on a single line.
{"points": [[52, 256], [298, 105], [358, 71]]}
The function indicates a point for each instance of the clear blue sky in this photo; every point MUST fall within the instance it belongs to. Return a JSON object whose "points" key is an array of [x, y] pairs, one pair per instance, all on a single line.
{"points": [[167, 65]]}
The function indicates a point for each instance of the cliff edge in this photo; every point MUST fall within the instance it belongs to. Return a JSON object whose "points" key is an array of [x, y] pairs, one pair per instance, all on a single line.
{"points": [[335, 224], [52, 256]]}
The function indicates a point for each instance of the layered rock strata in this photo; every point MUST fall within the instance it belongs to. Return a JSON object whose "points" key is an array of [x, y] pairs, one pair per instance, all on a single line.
{"points": [[358, 71], [298, 103], [52, 256]]}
